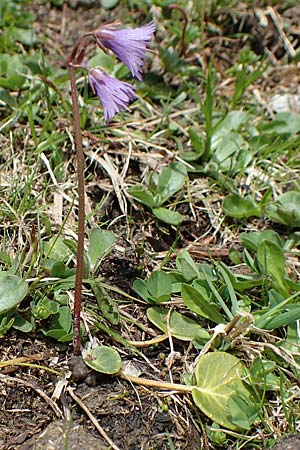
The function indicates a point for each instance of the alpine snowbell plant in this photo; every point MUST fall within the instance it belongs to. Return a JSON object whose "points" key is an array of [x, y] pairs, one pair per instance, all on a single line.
{"points": [[130, 45]]}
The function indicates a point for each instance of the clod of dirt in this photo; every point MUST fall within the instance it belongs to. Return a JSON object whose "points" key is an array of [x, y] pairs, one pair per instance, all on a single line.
{"points": [[79, 370], [59, 435], [288, 443]]}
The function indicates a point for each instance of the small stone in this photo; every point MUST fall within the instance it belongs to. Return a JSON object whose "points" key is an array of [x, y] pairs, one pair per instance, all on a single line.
{"points": [[62, 434], [288, 443]]}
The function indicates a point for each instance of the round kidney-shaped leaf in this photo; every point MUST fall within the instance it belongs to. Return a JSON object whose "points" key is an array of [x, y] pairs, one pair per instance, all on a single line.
{"points": [[12, 291], [221, 392], [104, 359]]}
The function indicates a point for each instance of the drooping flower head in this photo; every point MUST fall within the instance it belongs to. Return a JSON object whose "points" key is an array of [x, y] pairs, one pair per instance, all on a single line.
{"points": [[130, 45], [114, 95]]}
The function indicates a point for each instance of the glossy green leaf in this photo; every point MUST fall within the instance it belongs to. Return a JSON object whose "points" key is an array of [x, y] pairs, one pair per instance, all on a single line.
{"points": [[104, 359]]}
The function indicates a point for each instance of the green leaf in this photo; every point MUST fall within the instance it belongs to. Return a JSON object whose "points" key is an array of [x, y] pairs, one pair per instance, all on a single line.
{"points": [[106, 304], [284, 123], [56, 249], [219, 377], [159, 286], [12, 291], [60, 327], [22, 324], [187, 266], [109, 4], [140, 287], [231, 122], [285, 209], [197, 142], [100, 242], [171, 180], [227, 150], [272, 259], [168, 216], [44, 308], [243, 414], [196, 299], [144, 196], [276, 318], [181, 327], [252, 240], [104, 359], [241, 207], [5, 325]]}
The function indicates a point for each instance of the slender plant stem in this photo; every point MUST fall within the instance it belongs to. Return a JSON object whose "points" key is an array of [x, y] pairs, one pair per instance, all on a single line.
{"points": [[81, 210], [185, 22], [158, 384]]}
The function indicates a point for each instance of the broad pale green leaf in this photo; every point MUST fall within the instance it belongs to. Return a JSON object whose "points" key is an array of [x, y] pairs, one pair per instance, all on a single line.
{"points": [[181, 327], [241, 207], [286, 209], [159, 286], [219, 377], [196, 299], [168, 216], [104, 359], [100, 242], [12, 291], [231, 122], [284, 123]]}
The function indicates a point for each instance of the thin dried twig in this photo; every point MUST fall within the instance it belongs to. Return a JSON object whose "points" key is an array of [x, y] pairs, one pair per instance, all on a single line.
{"points": [[92, 418], [278, 24]]}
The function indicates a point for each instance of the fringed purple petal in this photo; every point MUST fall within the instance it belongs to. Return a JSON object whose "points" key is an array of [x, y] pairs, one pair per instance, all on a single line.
{"points": [[128, 44], [114, 95]]}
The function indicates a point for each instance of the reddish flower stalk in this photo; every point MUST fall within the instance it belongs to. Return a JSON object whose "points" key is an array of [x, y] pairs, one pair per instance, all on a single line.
{"points": [[81, 202], [130, 46], [185, 23]]}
